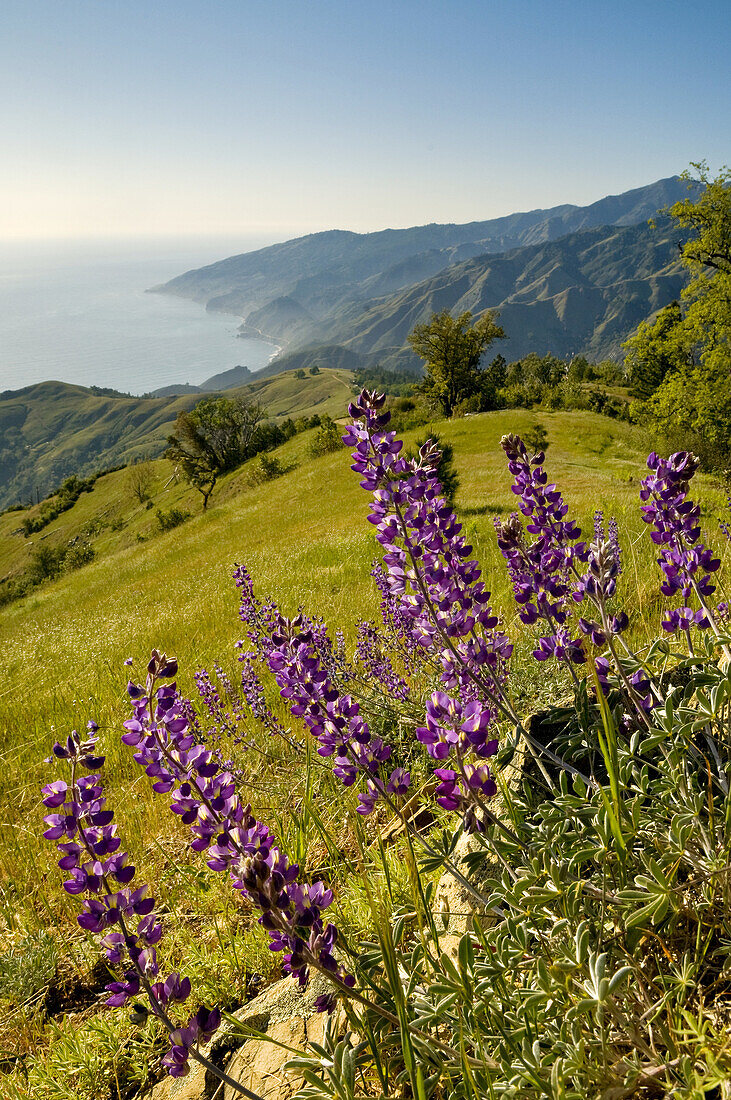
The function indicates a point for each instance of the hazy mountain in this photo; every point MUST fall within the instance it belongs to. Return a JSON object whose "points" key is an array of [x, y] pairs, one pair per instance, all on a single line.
{"points": [[314, 289], [581, 294]]}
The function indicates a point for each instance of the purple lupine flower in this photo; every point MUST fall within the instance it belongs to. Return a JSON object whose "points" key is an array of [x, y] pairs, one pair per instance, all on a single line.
{"points": [[454, 789], [205, 798], [399, 782], [613, 536], [377, 665], [725, 527], [540, 570], [685, 561], [598, 584], [639, 685], [259, 618], [399, 625], [294, 654], [431, 583], [123, 917], [253, 691], [561, 647]]}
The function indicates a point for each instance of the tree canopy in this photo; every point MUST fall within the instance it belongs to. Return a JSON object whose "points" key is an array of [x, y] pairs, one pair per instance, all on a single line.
{"points": [[212, 438], [680, 364], [655, 349], [452, 348]]}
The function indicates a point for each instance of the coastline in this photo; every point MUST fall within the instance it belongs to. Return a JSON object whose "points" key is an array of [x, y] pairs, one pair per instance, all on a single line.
{"points": [[243, 332], [249, 332]]}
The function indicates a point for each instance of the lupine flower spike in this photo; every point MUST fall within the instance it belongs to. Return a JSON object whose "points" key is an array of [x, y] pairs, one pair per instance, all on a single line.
{"points": [[432, 588], [205, 798], [687, 563], [122, 916], [541, 569]]}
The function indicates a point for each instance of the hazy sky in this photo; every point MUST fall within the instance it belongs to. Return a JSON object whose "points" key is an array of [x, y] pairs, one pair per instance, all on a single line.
{"points": [[279, 117]]}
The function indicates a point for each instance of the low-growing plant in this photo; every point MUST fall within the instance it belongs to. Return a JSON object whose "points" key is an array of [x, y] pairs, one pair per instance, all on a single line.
{"points": [[593, 840], [80, 553], [27, 970], [266, 468], [171, 518]]}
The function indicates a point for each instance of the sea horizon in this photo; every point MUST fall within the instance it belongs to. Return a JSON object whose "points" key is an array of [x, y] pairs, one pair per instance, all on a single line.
{"points": [[78, 310]]}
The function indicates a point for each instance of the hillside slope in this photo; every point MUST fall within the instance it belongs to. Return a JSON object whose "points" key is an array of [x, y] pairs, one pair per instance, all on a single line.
{"points": [[581, 294], [51, 430]]}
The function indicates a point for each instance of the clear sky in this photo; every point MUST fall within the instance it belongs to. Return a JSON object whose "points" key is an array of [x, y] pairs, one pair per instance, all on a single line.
{"points": [[135, 117]]}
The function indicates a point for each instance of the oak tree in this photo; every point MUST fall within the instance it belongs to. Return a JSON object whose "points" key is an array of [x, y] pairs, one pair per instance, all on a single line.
{"points": [[452, 348], [212, 438]]}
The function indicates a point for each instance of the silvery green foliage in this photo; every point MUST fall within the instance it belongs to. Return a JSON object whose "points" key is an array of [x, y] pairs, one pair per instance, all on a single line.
{"points": [[594, 967]]}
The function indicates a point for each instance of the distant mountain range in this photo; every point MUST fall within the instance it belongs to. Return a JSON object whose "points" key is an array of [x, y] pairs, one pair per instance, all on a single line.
{"points": [[568, 280]]}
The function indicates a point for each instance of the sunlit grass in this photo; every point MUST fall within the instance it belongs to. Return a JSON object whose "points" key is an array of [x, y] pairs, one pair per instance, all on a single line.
{"points": [[305, 539]]}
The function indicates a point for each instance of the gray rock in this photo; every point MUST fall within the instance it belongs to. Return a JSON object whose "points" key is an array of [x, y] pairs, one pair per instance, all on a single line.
{"points": [[287, 1015]]}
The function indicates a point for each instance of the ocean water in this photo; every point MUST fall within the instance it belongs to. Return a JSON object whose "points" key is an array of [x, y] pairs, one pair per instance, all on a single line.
{"points": [[78, 312]]}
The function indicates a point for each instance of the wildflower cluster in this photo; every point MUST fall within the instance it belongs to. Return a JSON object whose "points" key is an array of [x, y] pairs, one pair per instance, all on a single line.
{"points": [[430, 583], [439, 621], [206, 800], [685, 561], [86, 835], [540, 570], [334, 720]]}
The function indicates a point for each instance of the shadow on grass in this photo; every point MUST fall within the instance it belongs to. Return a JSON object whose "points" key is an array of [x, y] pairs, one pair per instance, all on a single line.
{"points": [[482, 510]]}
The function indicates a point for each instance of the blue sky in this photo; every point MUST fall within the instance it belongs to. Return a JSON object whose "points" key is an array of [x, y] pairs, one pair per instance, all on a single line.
{"points": [[280, 117]]}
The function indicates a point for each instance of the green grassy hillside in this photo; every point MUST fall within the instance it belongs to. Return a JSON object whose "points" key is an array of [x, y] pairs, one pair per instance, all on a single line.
{"points": [[51, 430], [305, 539]]}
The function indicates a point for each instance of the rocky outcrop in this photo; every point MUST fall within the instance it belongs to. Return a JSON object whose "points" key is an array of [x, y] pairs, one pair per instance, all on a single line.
{"points": [[287, 1016]]}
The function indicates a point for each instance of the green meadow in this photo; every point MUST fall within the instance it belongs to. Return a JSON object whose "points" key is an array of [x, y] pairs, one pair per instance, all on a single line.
{"points": [[306, 542]]}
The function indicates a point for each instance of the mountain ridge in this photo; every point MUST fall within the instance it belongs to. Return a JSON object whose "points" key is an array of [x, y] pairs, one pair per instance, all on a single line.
{"points": [[307, 291], [623, 274]]}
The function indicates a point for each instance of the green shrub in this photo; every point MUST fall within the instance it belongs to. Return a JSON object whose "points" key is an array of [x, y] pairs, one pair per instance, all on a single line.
{"points": [[15, 588], [81, 553], [469, 405], [536, 438], [46, 563], [172, 518], [266, 468], [328, 438]]}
